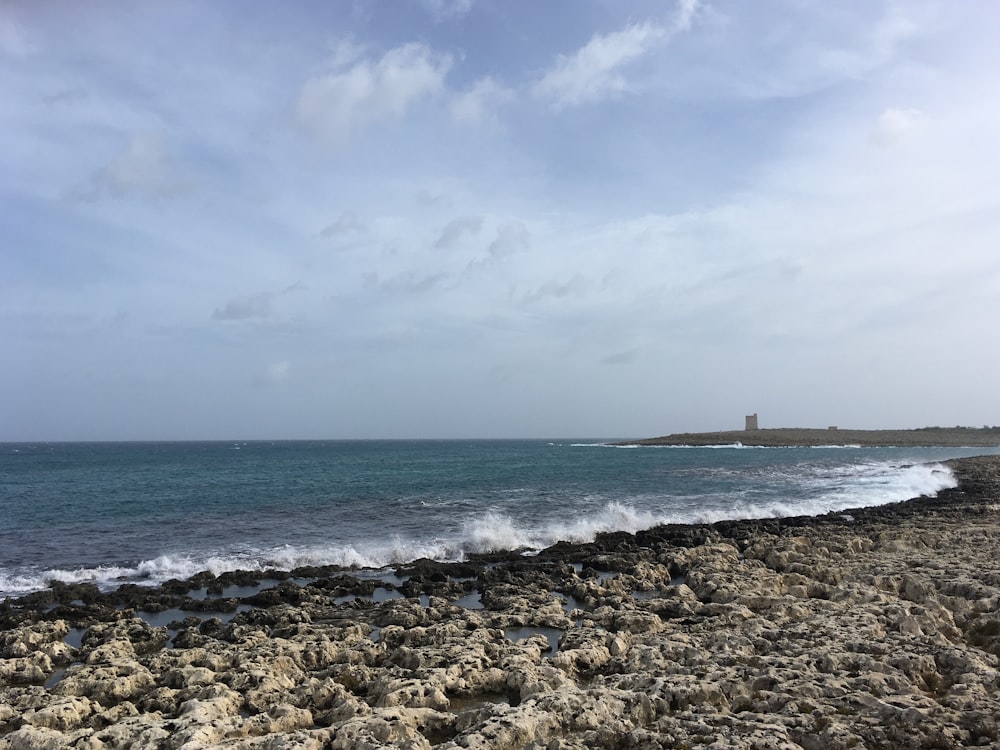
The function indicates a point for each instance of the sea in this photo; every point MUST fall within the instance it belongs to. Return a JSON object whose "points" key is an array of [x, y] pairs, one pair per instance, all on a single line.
{"points": [[114, 513]]}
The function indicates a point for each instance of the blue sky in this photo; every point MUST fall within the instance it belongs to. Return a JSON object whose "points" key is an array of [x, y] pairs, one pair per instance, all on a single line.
{"points": [[486, 218]]}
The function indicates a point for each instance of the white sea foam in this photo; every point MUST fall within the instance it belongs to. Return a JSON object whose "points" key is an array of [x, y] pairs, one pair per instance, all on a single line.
{"points": [[714, 446], [834, 489], [495, 531], [14, 584], [166, 567], [614, 516], [865, 485], [737, 445]]}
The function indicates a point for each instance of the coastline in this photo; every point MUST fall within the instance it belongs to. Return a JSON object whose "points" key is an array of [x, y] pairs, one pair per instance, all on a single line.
{"points": [[791, 437], [867, 627]]}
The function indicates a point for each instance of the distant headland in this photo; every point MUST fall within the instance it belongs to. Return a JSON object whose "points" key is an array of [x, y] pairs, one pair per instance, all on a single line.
{"points": [[797, 436]]}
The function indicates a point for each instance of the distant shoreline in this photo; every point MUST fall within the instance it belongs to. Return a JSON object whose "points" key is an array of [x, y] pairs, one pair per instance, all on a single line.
{"points": [[790, 437]]}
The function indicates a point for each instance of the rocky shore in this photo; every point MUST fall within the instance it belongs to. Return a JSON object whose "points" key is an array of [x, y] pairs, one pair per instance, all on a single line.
{"points": [[876, 627]]}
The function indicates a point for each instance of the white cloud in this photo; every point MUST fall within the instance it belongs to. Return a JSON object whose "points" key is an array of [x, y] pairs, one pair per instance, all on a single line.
{"points": [[338, 103], [432, 198], [443, 10], [807, 47], [686, 11], [511, 237], [480, 103], [66, 97], [14, 39], [456, 229], [345, 51], [255, 306], [245, 308], [855, 58], [347, 223], [274, 373], [406, 283], [144, 168], [591, 74], [575, 287], [620, 358], [894, 124]]}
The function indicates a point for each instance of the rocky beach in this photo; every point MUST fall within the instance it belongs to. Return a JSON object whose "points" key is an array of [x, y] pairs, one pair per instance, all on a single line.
{"points": [[875, 627]]}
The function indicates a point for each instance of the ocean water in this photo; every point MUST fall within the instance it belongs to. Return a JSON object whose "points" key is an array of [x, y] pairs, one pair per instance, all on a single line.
{"points": [[112, 513]]}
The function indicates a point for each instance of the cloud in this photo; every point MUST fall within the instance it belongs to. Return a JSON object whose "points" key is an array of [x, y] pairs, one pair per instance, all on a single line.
{"points": [[873, 48], [592, 74], [686, 11], [454, 230], [254, 306], [620, 358], [479, 104], [576, 286], [512, 237], [245, 308], [432, 199], [346, 223], [894, 124], [443, 10], [67, 97], [14, 39], [405, 283], [274, 373], [143, 168], [808, 47], [346, 99]]}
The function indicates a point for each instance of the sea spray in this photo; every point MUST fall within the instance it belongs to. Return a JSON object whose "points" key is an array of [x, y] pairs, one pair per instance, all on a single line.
{"points": [[146, 514]]}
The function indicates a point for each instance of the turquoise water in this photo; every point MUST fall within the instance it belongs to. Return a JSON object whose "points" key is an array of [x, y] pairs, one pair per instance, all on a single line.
{"points": [[145, 512]]}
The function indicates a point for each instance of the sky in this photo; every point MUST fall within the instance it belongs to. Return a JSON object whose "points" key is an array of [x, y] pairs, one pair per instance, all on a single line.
{"points": [[496, 218]]}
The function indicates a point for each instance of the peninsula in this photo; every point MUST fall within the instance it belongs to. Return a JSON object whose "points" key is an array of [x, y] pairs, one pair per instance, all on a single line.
{"points": [[980, 437]]}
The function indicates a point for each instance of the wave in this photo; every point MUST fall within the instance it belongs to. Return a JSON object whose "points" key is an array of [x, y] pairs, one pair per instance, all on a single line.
{"points": [[864, 485], [833, 489], [685, 446], [495, 532], [167, 567]]}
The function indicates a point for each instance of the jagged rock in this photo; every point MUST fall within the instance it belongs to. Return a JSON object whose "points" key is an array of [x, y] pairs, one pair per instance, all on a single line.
{"points": [[506, 728], [62, 714], [107, 684], [25, 670]]}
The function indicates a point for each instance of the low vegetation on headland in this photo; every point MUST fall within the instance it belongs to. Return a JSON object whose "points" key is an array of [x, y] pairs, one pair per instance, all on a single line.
{"points": [[797, 436]]}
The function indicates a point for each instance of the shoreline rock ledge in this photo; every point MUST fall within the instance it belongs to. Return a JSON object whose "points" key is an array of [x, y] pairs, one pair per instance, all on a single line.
{"points": [[871, 628]]}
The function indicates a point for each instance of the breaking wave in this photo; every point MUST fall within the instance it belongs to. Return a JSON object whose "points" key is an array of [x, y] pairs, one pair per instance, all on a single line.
{"points": [[827, 490]]}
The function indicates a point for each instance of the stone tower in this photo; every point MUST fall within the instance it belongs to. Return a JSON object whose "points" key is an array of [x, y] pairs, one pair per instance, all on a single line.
{"points": [[751, 422]]}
